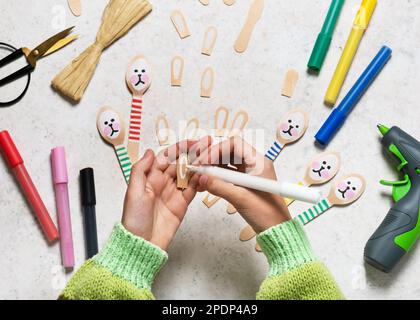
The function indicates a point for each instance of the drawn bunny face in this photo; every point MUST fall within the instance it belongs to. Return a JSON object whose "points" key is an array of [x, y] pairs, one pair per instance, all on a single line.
{"points": [[138, 75], [324, 168], [292, 126], [109, 124], [349, 189]]}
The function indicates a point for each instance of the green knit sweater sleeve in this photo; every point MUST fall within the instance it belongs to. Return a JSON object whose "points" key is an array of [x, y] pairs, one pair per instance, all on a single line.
{"points": [[124, 269], [294, 274]]}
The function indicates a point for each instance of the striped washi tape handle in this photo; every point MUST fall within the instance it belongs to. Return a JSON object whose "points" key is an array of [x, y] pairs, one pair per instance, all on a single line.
{"points": [[307, 216], [274, 151], [124, 160], [135, 120]]}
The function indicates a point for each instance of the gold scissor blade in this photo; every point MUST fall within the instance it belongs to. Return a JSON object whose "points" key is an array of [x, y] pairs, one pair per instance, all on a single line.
{"points": [[40, 50], [60, 44]]}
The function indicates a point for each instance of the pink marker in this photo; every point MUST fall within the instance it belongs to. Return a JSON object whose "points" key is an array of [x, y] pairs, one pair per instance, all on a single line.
{"points": [[60, 179]]}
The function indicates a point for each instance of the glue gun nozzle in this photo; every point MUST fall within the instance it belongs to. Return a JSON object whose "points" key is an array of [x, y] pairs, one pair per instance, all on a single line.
{"points": [[383, 129]]}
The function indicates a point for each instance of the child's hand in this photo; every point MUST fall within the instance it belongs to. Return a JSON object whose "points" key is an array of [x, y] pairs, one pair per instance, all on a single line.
{"points": [[154, 207], [261, 210]]}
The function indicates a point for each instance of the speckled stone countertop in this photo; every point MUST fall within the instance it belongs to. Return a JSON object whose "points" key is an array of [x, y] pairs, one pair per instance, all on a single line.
{"points": [[207, 260]]}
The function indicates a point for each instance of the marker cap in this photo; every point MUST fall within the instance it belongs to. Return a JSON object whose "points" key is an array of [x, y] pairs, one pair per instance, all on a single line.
{"points": [[365, 13], [87, 185], [319, 52], [59, 166], [8, 147], [330, 127]]}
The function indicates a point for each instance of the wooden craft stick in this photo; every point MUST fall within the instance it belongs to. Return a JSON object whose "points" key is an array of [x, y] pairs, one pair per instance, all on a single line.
{"points": [[180, 24], [247, 233], [112, 130], [289, 83], [231, 209], [182, 174], [138, 78], [258, 248], [254, 14], [292, 127], [75, 7], [162, 134], [346, 191], [207, 82], [209, 41], [177, 71], [228, 2], [204, 2]]}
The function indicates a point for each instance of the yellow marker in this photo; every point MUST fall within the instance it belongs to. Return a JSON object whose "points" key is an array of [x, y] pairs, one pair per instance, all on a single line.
{"points": [[360, 24]]}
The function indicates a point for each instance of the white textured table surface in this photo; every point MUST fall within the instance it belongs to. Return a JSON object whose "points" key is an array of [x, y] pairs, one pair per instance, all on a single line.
{"points": [[206, 258]]}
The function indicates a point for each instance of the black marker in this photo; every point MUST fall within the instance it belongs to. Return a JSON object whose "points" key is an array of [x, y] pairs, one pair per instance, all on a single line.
{"points": [[87, 189]]}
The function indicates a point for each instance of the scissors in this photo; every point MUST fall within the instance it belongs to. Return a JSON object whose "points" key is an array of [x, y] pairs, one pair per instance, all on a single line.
{"points": [[49, 46]]}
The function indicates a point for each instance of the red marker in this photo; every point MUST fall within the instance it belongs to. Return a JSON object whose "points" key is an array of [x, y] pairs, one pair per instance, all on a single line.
{"points": [[15, 161]]}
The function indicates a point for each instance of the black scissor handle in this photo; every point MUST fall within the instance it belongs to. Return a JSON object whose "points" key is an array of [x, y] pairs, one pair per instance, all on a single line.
{"points": [[11, 57], [16, 75]]}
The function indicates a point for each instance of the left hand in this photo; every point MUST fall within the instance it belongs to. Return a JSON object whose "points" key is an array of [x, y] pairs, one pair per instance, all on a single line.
{"points": [[154, 208]]}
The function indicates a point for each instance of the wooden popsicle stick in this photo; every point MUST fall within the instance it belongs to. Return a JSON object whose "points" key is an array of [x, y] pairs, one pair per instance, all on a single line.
{"points": [[289, 83], [162, 134], [177, 71], [182, 173], [344, 192], [258, 248], [207, 82], [138, 78], [254, 14], [75, 7], [204, 2], [180, 24], [112, 129], [209, 41], [228, 2]]}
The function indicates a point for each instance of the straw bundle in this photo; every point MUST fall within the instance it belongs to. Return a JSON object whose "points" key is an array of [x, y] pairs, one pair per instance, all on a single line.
{"points": [[118, 18]]}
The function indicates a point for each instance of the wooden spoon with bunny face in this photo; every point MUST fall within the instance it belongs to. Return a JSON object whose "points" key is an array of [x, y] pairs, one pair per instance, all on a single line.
{"points": [[322, 168], [346, 191], [291, 128], [138, 78], [112, 129]]}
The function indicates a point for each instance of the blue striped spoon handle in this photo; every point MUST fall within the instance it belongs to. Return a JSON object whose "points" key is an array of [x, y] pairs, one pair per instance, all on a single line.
{"points": [[124, 160], [274, 151], [314, 212]]}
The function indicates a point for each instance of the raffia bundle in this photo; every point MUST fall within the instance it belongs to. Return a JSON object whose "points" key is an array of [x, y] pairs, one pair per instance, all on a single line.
{"points": [[118, 18]]}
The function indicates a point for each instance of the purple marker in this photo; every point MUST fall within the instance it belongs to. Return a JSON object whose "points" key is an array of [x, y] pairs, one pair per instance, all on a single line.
{"points": [[60, 179]]}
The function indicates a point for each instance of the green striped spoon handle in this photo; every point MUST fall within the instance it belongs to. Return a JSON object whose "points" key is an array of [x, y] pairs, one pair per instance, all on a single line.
{"points": [[312, 213], [124, 160]]}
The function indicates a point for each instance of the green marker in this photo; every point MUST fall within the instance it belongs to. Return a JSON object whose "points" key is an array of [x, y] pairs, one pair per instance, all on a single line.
{"points": [[323, 41]]}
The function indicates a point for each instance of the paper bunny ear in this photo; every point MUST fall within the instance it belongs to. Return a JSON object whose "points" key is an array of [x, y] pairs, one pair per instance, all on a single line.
{"points": [[323, 168], [292, 126], [110, 126], [138, 75], [222, 113], [347, 190], [180, 24], [177, 71], [207, 82], [209, 41], [162, 129], [191, 129]]}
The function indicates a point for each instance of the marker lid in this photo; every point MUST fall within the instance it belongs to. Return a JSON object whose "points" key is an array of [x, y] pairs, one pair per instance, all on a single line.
{"points": [[8, 147], [87, 185], [59, 165]]}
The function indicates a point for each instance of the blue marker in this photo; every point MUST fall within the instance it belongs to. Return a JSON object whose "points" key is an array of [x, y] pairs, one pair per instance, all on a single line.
{"points": [[340, 113]]}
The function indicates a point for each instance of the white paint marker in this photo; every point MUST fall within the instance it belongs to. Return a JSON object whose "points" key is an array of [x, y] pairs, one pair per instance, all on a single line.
{"points": [[284, 189]]}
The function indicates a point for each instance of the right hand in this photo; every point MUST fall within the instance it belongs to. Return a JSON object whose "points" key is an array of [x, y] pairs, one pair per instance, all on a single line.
{"points": [[261, 210]]}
